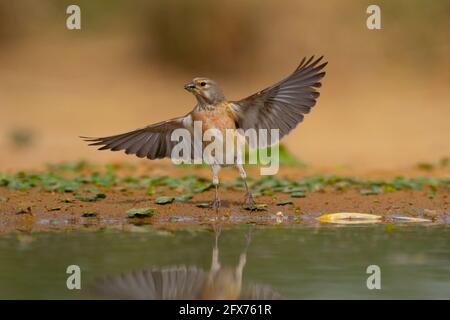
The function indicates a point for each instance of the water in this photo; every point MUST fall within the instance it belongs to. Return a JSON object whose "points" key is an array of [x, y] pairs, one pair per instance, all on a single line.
{"points": [[296, 261]]}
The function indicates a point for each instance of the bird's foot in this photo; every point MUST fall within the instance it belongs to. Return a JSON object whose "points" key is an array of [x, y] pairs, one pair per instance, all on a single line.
{"points": [[249, 201]]}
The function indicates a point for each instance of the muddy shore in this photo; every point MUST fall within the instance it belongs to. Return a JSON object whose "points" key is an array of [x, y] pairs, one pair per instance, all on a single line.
{"points": [[38, 209]]}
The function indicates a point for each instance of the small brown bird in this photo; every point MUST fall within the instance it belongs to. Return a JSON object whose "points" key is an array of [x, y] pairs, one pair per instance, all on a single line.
{"points": [[187, 282], [280, 106]]}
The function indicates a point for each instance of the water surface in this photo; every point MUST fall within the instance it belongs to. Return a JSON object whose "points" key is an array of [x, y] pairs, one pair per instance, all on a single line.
{"points": [[297, 261]]}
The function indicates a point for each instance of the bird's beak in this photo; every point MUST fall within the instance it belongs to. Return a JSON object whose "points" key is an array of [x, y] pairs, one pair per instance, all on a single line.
{"points": [[189, 86]]}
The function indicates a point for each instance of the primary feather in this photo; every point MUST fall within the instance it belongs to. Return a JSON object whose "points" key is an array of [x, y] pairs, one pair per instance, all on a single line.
{"points": [[283, 105]]}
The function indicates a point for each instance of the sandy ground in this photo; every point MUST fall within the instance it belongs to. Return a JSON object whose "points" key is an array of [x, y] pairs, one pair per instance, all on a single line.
{"points": [[38, 210]]}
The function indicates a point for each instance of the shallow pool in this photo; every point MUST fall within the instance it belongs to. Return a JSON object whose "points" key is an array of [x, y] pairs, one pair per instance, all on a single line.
{"points": [[294, 262]]}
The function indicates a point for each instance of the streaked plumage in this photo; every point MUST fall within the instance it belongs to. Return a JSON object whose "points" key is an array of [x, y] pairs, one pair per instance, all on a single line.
{"points": [[280, 106], [284, 104]]}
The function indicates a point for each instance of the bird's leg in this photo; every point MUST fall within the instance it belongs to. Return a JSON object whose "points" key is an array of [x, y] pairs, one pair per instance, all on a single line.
{"points": [[215, 264], [249, 202], [216, 203], [248, 236], [217, 231], [243, 256], [240, 266]]}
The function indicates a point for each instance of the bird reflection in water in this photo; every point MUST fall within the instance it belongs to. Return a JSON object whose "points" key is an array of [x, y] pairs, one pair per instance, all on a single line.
{"points": [[187, 283]]}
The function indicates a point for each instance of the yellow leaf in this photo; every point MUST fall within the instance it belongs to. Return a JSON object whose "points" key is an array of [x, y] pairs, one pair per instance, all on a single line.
{"points": [[349, 218]]}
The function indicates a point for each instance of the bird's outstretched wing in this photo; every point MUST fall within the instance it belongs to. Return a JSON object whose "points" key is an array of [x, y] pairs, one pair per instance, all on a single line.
{"points": [[261, 292], [283, 105], [180, 283], [153, 141]]}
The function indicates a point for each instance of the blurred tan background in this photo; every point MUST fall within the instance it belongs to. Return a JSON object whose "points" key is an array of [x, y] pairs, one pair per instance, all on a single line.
{"points": [[385, 102]]}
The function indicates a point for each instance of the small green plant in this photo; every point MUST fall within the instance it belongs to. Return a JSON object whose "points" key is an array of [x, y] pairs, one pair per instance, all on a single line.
{"points": [[93, 198], [284, 156], [140, 212], [164, 200], [284, 202], [98, 182], [183, 197]]}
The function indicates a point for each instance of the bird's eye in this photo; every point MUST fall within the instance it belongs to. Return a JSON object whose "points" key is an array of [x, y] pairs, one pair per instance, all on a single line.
{"points": [[203, 83]]}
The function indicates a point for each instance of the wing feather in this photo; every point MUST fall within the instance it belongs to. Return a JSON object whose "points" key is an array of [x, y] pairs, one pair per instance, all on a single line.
{"points": [[283, 105], [178, 283], [153, 141]]}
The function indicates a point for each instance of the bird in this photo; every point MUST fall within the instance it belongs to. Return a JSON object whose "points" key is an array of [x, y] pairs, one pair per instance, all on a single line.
{"points": [[186, 282], [279, 106]]}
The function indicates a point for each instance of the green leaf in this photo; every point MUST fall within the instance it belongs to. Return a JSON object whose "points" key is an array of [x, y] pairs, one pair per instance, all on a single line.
{"points": [[4, 181], [298, 194], [202, 186], [183, 197], [284, 202], [372, 191], [285, 158], [164, 200], [98, 196], [140, 212], [20, 185]]}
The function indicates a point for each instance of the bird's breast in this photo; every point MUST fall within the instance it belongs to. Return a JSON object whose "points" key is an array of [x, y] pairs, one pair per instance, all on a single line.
{"points": [[219, 118]]}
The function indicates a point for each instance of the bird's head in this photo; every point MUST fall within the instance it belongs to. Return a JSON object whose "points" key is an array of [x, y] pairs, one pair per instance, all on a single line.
{"points": [[206, 91]]}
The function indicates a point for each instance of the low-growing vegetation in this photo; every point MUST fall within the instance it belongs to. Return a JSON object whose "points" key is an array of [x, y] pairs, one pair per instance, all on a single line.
{"points": [[74, 179]]}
